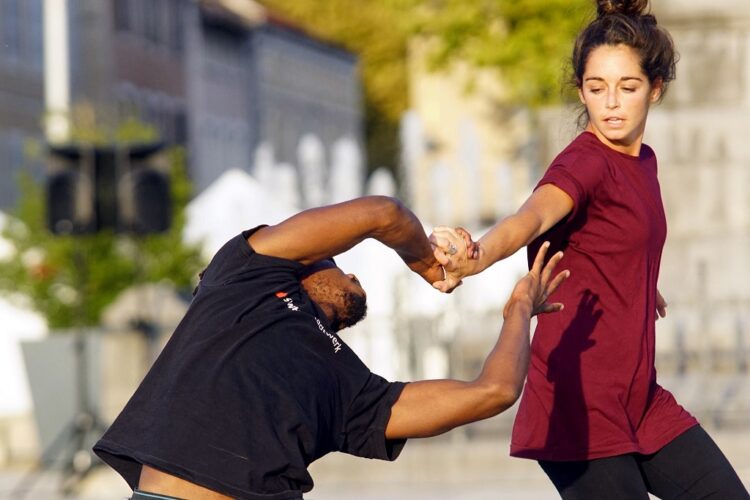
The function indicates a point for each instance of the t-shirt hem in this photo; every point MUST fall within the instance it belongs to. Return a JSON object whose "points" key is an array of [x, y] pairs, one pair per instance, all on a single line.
{"points": [[111, 452], [521, 451]]}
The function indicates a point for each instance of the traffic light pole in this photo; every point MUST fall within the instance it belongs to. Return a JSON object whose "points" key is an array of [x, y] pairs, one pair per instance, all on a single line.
{"points": [[74, 442], [90, 189]]}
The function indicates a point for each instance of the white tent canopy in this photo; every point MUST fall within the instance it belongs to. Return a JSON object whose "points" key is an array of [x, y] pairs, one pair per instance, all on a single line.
{"points": [[19, 324], [233, 203]]}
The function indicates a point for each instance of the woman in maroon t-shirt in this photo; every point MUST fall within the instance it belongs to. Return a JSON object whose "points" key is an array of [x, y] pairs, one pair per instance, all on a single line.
{"points": [[592, 412]]}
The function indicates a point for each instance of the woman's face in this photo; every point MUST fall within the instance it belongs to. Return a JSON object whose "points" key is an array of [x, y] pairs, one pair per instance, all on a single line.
{"points": [[617, 95]]}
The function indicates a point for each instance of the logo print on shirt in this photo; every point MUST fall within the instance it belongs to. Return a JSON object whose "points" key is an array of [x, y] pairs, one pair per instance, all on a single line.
{"points": [[290, 305], [335, 341]]}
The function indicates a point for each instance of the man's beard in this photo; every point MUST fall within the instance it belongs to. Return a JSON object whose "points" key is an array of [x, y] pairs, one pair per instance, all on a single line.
{"points": [[354, 309]]}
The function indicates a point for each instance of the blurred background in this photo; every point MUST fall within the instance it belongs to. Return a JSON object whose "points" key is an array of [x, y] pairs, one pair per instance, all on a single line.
{"points": [[136, 136]]}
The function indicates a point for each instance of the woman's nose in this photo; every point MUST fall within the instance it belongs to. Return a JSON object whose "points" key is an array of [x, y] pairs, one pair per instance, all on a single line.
{"points": [[612, 99]]}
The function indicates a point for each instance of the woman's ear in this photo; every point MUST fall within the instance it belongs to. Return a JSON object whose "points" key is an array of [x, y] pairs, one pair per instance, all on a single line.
{"points": [[657, 87]]}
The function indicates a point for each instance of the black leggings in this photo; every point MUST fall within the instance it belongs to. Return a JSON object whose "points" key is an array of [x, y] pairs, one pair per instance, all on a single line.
{"points": [[690, 467]]}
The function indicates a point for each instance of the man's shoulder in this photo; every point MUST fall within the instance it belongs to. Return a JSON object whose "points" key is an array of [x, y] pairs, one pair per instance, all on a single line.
{"points": [[237, 260]]}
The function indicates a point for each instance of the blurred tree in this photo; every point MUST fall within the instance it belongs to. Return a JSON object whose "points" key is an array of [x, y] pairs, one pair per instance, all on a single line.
{"points": [[71, 279], [377, 32], [527, 41]]}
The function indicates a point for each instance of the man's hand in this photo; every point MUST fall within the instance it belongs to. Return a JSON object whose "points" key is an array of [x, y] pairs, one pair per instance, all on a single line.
{"points": [[534, 288], [430, 407], [453, 248]]}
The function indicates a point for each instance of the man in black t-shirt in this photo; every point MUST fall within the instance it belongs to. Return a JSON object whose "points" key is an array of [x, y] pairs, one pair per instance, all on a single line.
{"points": [[255, 383]]}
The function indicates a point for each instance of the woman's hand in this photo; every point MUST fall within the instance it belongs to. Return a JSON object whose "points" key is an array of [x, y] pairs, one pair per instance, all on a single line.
{"points": [[661, 306], [454, 249]]}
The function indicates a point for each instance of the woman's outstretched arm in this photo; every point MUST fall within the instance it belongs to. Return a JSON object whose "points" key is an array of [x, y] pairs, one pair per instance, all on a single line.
{"points": [[542, 210]]}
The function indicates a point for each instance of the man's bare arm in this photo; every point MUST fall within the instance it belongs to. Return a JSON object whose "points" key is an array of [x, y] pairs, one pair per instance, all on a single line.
{"points": [[324, 232], [431, 407]]}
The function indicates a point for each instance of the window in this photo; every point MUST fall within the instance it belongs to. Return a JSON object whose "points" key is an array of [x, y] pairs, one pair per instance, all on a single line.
{"points": [[152, 20], [9, 27], [34, 34], [176, 32], [180, 128], [123, 20]]}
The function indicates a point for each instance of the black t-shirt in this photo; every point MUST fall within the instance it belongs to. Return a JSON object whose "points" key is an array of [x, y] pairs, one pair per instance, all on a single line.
{"points": [[252, 387]]}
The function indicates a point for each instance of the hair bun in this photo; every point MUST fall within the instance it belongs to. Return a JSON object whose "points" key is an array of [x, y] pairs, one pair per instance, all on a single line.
{"points": [[625, 7]]}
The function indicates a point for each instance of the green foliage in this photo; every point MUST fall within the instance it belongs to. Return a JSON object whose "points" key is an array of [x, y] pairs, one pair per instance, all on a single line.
{"points": [[71, 279], [527, 41]]}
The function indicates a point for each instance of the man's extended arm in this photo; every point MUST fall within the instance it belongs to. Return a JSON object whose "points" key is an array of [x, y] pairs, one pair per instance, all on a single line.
{"points": [[324, 232], [430, 407]]}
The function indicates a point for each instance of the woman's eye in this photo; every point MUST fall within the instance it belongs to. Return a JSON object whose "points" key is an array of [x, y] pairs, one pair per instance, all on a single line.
{"points": [[628, 89], [595, 90]]}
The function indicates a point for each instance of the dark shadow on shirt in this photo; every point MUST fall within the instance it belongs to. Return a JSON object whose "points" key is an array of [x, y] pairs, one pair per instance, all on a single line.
{"points": [[564, 371]]}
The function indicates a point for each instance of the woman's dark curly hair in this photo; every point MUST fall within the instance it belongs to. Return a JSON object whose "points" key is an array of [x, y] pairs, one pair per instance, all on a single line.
{"points": [[626, 22]]}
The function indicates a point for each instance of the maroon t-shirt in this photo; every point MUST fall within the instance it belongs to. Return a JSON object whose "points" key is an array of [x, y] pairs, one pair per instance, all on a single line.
{"points": [[591, 391]]}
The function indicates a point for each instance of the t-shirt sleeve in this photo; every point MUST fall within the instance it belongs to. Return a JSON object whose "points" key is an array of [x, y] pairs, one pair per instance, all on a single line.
{"points": [[367, 418], [579, 176], [236, 262]]}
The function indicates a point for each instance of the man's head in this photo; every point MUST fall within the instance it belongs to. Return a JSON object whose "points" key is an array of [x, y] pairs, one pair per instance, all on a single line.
{"points": [[339, 295]]}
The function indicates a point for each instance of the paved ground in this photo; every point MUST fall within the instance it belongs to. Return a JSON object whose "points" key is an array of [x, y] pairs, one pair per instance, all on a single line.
{"points": [[447, 468]]}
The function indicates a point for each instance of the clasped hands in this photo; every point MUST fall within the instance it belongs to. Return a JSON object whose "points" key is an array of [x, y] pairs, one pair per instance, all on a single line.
{"points": [[455, 250]]}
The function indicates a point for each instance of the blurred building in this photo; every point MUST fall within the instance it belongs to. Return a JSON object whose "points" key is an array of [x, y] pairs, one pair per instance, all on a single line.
{"points": [[218, 76], [21, 87], [255, 79]]}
